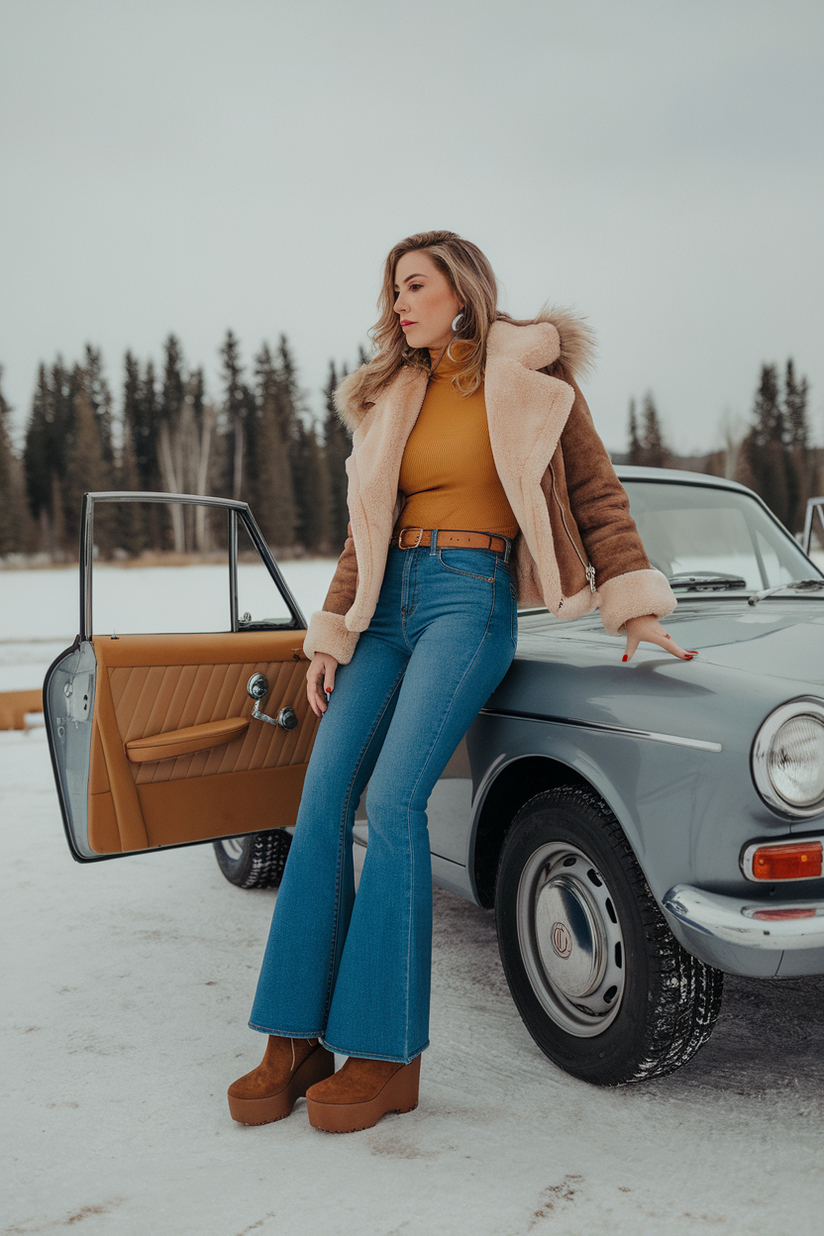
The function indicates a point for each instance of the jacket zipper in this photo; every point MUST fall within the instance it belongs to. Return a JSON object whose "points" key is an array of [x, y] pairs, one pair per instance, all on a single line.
{"points": [[589, 570]]}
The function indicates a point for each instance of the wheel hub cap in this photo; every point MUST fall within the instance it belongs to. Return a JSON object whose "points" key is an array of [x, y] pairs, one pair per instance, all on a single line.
{"points": [[571, 942], [568, 937]]}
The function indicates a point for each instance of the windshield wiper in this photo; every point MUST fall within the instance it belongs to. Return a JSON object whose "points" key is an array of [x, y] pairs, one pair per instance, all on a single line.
{"points": [[799, 585], [710, 581]]}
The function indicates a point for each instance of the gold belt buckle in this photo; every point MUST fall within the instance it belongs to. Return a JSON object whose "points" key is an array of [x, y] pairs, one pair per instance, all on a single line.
{"points": [[403, 532]]}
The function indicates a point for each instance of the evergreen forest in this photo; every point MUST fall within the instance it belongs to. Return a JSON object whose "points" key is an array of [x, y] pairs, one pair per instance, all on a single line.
{"points": [[774, 456], [259, 443]]}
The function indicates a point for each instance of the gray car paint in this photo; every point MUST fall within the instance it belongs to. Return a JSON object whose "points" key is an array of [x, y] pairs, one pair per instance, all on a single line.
{"points": [[687, 812]]}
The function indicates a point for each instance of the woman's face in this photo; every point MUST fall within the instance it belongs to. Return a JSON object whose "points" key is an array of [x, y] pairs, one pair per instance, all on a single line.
{"points": [[425, 301]]}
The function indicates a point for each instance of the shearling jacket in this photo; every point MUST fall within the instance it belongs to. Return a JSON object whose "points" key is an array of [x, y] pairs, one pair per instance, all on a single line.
{"points": [[578, 547]]}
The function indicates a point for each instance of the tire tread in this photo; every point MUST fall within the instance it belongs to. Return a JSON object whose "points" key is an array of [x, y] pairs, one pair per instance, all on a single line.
{"points": [[263, 860], [684, 996]]}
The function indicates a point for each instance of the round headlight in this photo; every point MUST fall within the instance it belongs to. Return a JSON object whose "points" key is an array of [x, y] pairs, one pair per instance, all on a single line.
{"points": [[788, 758]]}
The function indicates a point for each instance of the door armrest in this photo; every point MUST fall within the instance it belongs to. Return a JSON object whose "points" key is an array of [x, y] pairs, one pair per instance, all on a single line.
{"points": [[173, 743]]}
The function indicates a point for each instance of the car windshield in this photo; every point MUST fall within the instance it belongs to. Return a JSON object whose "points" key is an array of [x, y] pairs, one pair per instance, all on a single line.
{"points": [[703, 531]]}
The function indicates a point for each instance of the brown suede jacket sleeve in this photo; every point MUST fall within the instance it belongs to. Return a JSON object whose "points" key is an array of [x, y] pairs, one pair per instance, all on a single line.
{"points": [[597, 499], [327, 630], [344, 585]]}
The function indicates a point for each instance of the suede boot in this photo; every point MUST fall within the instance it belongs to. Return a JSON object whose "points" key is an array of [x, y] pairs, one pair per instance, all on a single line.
{"points": [[288, 1069], [361, 1092]]}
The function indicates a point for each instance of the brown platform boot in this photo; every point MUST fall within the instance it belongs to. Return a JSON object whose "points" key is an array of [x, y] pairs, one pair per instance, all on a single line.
{"points": [[288, 1069], [361, 1092]]}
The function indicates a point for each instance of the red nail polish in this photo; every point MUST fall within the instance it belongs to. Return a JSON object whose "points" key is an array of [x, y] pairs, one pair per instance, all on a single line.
{"points": [[624, 657], [689, 656]]}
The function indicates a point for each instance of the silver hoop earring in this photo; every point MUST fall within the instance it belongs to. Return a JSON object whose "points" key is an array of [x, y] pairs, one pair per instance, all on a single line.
{"points": [[457, 322]]}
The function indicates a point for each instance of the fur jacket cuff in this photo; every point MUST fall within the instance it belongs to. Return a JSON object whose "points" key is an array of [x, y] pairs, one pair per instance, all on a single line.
{"points": [[328, 633], [634, 595]]}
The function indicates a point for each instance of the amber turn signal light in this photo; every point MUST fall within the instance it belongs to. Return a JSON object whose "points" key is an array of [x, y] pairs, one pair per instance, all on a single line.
{"points": [[801, 860]]}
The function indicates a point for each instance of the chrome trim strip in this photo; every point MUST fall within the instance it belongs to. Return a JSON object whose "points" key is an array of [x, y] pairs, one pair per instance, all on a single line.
{"points": [[159, 495], [676, 740], [731, 919]]}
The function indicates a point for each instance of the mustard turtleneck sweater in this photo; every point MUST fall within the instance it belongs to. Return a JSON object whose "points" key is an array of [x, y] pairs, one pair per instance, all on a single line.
{"points": [[448, 476]]}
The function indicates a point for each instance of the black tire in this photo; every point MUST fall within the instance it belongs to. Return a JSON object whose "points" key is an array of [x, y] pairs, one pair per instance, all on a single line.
{"points": [[256, 860], [604, 988]]}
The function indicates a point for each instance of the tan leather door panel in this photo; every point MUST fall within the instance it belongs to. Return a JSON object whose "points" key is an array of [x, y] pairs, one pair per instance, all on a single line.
{"points": [[150, 687]]}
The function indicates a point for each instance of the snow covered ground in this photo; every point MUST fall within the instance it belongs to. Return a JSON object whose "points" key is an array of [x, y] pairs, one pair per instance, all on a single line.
{"points": [[127, 986]]}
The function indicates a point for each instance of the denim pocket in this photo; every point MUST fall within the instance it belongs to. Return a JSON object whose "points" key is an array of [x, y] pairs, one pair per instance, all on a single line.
{"points": [[472, 563]]}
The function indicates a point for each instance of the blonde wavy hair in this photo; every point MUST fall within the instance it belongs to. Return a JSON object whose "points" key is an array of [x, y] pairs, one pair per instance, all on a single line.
{"points": [[473, 281]]}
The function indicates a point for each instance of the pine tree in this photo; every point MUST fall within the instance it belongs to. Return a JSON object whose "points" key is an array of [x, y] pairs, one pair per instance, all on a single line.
{"points": [[169, 447], [273, 498], [309, 480], [635, 448], [86, 469], [133, 531], [48, 434], [311, 491], [11, 507], [795, 408], [653, 450], [100, 397], [802, 459], [338, 446], [766, 463], [236, 408], [199, 421]]}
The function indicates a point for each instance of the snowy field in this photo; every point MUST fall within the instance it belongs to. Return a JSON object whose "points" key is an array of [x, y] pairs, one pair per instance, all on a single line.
{"points": [[127, 986]]}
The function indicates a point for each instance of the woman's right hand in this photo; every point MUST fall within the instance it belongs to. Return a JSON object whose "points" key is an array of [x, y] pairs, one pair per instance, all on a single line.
{"points": [[320, 678]]}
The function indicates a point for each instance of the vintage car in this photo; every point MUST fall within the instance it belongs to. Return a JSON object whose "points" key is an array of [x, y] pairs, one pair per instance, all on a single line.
{"points": [[640, 829]]}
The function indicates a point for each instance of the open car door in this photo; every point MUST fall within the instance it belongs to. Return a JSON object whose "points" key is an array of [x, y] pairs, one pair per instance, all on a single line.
{"points": [[179, 714]]}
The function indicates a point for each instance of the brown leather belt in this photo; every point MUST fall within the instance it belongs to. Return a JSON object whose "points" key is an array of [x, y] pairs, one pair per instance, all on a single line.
{"points": [[448, 538]]}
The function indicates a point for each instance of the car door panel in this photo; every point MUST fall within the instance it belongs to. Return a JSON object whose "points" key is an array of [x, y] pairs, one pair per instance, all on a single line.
{"points": [[154, 687], [153, 736]]}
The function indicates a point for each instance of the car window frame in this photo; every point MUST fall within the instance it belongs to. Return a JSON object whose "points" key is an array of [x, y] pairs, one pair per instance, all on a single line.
{"points": [[235, 510]]}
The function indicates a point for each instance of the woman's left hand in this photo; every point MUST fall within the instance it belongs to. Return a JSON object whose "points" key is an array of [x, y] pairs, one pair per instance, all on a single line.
{"points": [[649, 630]]}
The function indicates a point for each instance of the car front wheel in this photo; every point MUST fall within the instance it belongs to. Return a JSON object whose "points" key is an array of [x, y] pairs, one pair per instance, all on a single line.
{"points": [[603, 986], [256, 860]]}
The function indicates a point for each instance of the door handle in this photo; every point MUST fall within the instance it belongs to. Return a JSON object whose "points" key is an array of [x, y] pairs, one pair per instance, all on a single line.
{"points": [[258, 688]]}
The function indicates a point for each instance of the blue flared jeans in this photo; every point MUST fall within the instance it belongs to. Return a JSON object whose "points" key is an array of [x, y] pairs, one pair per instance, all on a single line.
{"points": [[354, 970]]}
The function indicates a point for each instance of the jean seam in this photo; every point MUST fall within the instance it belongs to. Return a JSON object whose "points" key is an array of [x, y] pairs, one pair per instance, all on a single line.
{"points": [[487, 579], [410, 569], [341, 841]]}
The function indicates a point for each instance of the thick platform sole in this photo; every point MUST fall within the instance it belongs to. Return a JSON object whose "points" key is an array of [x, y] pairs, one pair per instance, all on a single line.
{"points": [[400, 1094], [265, 1110]]}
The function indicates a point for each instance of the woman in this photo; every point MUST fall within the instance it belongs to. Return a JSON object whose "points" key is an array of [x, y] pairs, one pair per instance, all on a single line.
{"points": [[476, 477]]}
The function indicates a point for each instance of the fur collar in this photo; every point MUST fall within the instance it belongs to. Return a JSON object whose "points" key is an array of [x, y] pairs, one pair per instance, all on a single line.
{"points": [[556, 335]]}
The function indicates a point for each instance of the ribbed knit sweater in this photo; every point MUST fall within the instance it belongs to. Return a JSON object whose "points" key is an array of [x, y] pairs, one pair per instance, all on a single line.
{"points": [[448, 474]]}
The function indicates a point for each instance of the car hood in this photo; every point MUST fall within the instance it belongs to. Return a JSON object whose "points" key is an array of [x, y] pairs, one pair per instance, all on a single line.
{"points": [[779, 637]]}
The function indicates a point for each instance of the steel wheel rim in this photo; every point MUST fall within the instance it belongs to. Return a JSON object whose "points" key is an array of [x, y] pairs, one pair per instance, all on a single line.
{"points": [[233, 847], [570, 939]]}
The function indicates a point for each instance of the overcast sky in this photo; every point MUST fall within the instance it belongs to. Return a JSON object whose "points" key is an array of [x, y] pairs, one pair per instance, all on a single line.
{"points": [[193, 165]]}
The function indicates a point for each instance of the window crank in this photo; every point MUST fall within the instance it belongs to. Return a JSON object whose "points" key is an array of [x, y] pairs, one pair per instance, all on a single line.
{"points": [[258, 688]]}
